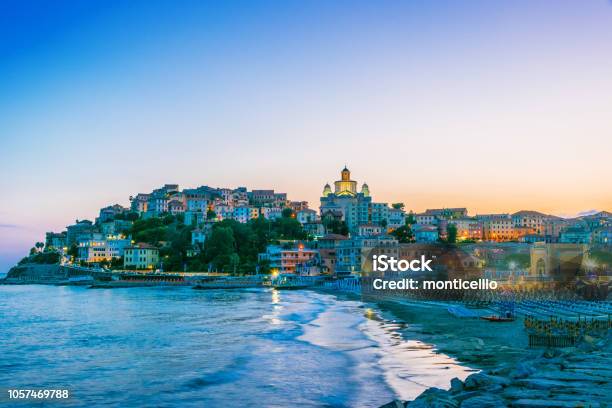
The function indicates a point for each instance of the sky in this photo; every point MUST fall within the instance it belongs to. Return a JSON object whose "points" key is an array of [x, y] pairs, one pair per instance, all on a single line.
{"points": [[494, 106]]}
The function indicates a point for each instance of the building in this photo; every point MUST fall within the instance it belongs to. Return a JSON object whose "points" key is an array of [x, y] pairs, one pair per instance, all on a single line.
{"points": [[115, 227], [55, 240], [447, 213], [368, 230], [575, 235], [298, 206], [198, 236], [531, 219], [109, 213], [140, 203], [268, 198], [552, 229], [353, 207], [602, 236], [176, 206], [306, 216], [556, 261], [314, 229], [354, 255], [498, 228], [467, 228], [141, 256], [396, 218], [102, 248], [425, 233], [426, 219], [79, 231], [271, 213], [285, 260]]}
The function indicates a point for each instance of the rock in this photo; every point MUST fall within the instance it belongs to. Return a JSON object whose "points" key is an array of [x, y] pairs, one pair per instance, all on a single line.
{"points": [[522, 393], [543, 384], [484, 401], [456, 385], [481, 380], [465, 395], [529, 403], [522, 370], [394, 404], [434, 398]]}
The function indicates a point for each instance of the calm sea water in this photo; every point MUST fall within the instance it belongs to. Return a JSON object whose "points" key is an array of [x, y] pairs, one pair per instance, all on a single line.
{"points": [[182, 347]]}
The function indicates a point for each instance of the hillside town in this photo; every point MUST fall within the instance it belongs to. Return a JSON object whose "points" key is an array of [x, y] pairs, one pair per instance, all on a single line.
{"points": [[248, 231]]}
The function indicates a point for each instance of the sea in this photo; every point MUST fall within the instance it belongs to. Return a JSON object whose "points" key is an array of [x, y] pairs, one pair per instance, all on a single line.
{"points": [[179, 347]]}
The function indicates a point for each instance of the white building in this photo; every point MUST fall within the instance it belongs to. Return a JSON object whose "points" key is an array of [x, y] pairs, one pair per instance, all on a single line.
{"points": [[98, 248], [198, 236], [306, 216]]}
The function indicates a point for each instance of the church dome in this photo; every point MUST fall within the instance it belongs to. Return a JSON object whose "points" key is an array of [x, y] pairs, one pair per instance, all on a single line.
{"points": [[327, 190], [365, 190]]}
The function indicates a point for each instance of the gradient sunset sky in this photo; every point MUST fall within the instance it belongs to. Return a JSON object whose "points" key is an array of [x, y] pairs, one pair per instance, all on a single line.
{"points": [[495, 106]]}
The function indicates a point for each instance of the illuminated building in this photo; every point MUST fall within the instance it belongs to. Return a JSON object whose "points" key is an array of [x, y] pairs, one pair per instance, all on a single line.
{"points": [[355, 207], [141, 256], [284, 260]]}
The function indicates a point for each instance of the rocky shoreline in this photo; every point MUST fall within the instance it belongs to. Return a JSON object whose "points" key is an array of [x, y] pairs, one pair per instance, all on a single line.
{"points": [[512, 375]]}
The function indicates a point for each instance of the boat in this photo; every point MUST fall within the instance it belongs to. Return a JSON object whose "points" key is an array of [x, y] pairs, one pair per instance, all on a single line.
{"points": [[498, 319]]}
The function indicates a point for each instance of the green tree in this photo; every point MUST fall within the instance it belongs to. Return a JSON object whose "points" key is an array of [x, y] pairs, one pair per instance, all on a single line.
{"points": [[211, 215], [398, 206], [73, 251], [451, 234], [403, 234], [288, 228], [39, 246], [410, 218], [287, 213], [220, 247], [335, 226]]}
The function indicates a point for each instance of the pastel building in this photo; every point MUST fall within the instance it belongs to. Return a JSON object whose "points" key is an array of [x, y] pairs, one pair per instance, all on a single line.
{"points": [[141, 256], [353, 207], [425, 233], [285, 260], [353, 255], [306, 216], [99, 248]]}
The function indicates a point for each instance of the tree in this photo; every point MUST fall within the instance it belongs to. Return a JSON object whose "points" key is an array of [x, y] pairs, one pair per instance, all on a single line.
{"points": [[287, 213], [211, 215], [73, 251], [335, 226], [451, 233], [288, 228], [384, 223], [403, 234], [39, 246], [220, 247], [398, 206], [410, 219]]}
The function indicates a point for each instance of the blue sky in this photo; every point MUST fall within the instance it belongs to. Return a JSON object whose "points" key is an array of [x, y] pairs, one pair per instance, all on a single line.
{"points": [[497, 106]]}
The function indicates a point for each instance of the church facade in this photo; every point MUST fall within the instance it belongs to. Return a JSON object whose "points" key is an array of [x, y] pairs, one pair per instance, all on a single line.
{"points": [[354, 207]]}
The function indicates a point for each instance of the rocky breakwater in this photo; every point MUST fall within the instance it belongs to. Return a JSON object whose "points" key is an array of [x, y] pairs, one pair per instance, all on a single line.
{"points": [[36, 273], [570, 377]]}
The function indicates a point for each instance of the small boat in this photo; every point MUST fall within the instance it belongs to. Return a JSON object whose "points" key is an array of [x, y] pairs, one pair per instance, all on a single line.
{"points": [[498, 319]]}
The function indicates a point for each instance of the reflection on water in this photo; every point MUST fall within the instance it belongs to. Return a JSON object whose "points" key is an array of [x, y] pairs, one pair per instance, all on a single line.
{"points": [[181, 347]]}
